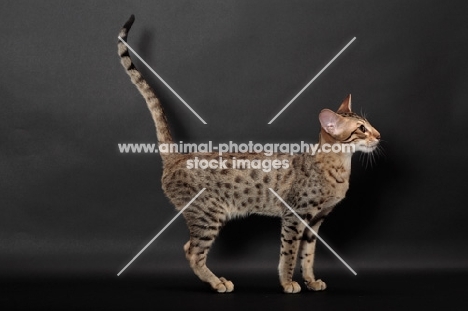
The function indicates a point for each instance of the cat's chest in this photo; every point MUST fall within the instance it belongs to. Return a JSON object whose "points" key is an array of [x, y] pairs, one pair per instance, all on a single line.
{"points": [[323, 188], [331, 193]]}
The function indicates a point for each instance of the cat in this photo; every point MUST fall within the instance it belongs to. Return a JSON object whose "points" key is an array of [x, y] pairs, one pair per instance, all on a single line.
{"points": [[312, 185]]}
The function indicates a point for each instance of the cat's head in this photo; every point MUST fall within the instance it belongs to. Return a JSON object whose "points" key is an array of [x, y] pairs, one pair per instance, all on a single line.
{"points": [[346, 127]]}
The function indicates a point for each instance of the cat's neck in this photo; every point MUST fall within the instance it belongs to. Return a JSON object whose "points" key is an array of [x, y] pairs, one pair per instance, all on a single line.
{"points": [[336, 154]]}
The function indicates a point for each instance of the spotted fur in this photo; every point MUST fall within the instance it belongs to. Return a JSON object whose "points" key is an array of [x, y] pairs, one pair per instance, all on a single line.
{"points": [[312, 186], [157, 112]]}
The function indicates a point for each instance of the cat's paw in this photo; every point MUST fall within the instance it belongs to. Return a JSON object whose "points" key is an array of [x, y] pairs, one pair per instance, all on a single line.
{"points": [[291, 287], [224, 287], [317, 285]]}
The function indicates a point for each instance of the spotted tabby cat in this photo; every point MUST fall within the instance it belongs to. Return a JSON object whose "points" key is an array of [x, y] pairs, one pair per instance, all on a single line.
{"points": [[312, 186]]}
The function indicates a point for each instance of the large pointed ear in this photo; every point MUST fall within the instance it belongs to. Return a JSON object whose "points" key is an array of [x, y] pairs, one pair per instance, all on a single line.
{"points": [[345, 105], [331, 122]]}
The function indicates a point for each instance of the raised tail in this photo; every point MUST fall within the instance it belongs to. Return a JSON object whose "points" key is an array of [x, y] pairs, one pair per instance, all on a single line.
{"points": [[154, 105]]}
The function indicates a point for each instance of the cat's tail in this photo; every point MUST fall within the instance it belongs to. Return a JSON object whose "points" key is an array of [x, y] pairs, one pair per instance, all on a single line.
{"points": [[162, 129]]}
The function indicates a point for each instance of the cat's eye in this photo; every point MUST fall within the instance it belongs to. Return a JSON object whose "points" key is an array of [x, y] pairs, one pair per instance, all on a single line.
{"points": [[362, 128]]}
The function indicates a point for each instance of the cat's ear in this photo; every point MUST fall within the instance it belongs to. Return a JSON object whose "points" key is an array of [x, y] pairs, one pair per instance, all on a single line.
{"points": [[345, 105], [331, 122]]}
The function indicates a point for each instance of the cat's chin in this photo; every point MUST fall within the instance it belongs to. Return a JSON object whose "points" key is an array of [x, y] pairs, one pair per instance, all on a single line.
{"points": [[366, 148]]}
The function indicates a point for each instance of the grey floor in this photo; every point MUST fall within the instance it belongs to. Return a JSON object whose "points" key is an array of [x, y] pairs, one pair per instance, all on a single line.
{"points": [[368, 291]]}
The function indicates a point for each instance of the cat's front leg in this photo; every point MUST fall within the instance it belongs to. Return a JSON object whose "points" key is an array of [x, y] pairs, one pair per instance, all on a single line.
{"points": [[291, 233], [307, 256]]}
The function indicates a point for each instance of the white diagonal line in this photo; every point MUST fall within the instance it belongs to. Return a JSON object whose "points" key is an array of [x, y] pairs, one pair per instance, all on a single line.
{"points": [[315, 233], [313, 79], [162, 80], [160, 232]]}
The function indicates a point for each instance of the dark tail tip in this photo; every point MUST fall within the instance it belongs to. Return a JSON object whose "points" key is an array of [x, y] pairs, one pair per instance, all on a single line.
{"points": [[129, 23]]}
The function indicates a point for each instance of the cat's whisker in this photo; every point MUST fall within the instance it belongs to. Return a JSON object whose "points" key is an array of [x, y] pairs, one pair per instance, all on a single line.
{"points": [[373, 162], [363, 114], [365, 159], [369, 160], [379, 151], [361, 157]]}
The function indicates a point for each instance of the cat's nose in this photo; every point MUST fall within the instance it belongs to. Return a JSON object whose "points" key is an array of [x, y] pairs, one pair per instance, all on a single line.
{"points": [[377, 134]]}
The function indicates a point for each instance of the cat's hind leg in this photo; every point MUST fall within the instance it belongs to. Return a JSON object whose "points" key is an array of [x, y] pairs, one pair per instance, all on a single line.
{"points": [[204, 225]]}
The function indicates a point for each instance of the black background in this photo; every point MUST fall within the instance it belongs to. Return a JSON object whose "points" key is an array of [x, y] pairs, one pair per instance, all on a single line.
{"points": [[73, 207]]}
